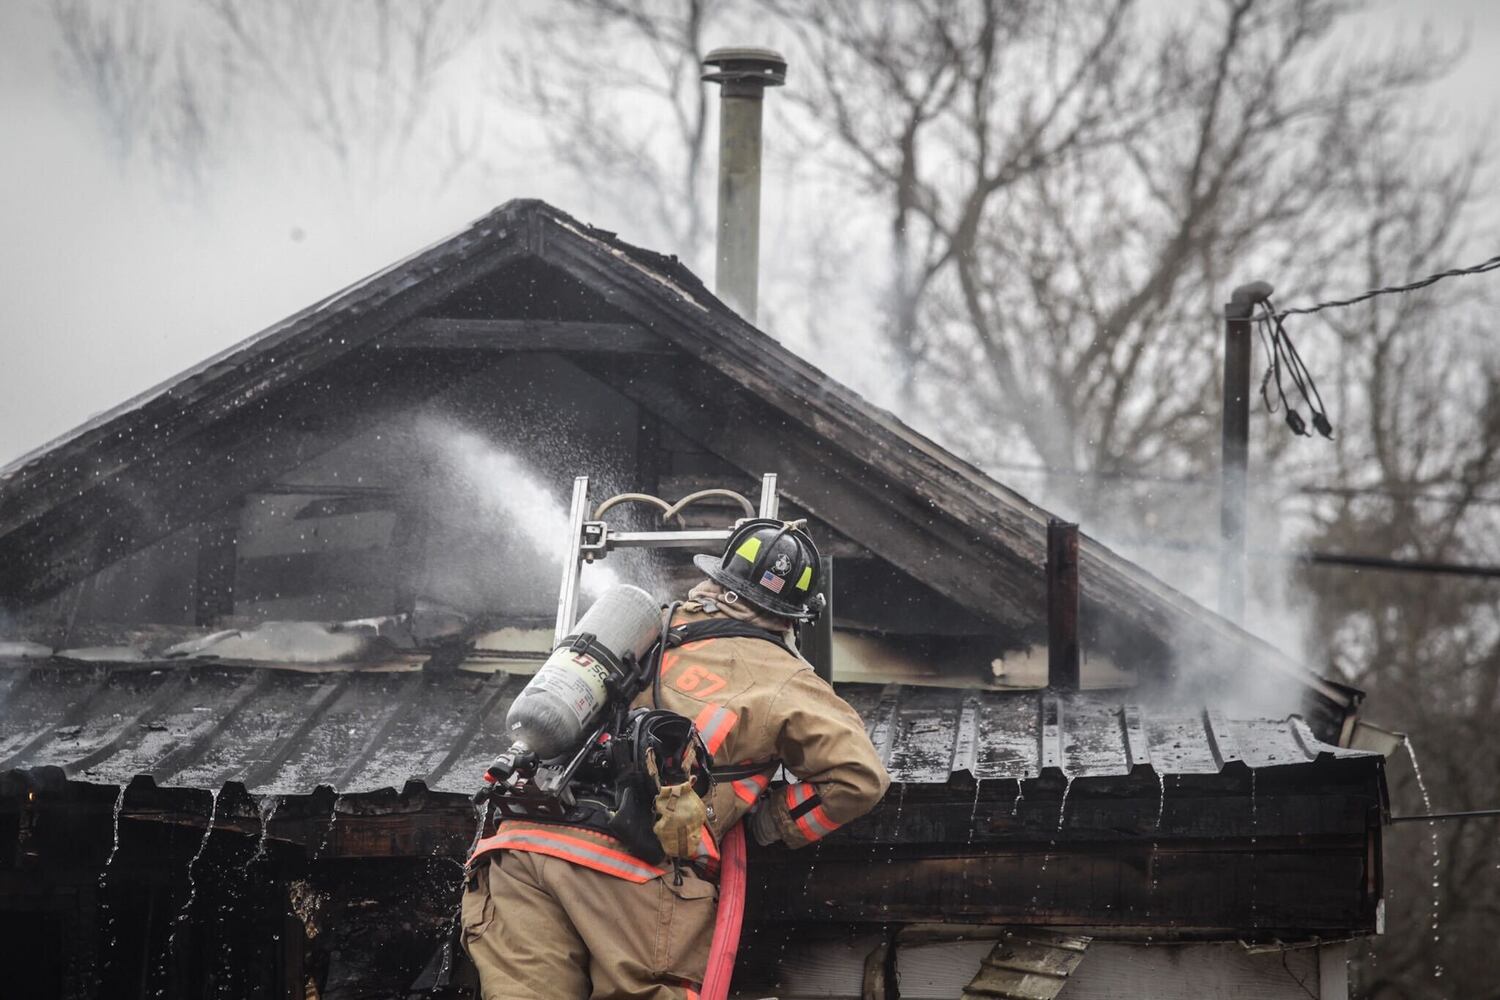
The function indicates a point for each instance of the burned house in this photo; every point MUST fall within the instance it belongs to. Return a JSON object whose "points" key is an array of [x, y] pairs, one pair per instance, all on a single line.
{"points": [[262, 624]]}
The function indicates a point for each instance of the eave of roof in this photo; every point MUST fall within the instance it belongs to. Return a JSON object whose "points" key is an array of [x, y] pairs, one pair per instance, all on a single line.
{"points": [[291, 733]]}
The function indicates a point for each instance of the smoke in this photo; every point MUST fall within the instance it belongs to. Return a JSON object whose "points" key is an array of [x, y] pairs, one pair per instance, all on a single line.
{"points": [[1170, 528]]}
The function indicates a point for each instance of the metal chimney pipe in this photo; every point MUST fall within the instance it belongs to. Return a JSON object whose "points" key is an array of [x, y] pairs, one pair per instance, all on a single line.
{"points": [[1234, 459], [743, 76]]}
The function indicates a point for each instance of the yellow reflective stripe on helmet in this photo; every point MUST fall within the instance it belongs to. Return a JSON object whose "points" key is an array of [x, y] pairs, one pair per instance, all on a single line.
{"points": [[805, 579], [748, 549]]}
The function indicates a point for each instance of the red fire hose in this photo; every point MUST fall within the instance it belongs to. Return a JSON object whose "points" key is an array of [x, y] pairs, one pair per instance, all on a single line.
{"points": [[730, 915]]}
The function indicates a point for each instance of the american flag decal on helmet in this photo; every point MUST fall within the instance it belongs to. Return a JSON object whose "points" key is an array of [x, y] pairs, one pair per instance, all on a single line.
{"points": [[772, 582]]}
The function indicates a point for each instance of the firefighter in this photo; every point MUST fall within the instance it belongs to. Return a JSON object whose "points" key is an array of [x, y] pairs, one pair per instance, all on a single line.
{"points": [[559, 912]]}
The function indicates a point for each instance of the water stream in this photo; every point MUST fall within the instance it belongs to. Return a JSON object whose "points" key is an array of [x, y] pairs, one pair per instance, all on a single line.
{"points": [[500, 485], [104, 907], [187, 907], [1254, 868], [816, 850], [268, 806], [1041, 875], [974, 811], [114, 847], [1020, 794], [890, 857], [1062, 810], [1416, 769], [1155, 861], [333, 818], [450, 927]]}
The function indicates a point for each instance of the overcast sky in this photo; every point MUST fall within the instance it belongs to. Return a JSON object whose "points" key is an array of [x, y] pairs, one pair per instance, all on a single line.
{"points": [[113, 281]]}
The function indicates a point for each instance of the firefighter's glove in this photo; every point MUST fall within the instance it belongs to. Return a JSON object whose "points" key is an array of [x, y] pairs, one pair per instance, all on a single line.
{"points": [[680, 816], [763, 826]]}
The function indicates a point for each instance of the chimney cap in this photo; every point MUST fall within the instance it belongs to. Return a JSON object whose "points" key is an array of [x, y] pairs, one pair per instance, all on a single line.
{"points": [[745, 66]]}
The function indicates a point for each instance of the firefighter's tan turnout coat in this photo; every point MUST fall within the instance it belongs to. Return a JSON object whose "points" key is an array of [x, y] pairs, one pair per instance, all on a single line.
{"points": [[756, 704]]}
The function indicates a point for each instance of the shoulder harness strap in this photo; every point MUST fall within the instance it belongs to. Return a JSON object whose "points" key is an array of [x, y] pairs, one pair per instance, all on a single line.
{"points": [[734, 772], [719, 628]]}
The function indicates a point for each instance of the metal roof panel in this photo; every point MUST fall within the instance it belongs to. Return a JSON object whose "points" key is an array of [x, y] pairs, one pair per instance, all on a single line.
{"points": [[288, 733]]}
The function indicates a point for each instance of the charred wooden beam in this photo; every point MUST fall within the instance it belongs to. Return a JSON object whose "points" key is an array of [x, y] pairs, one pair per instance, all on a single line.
{"points": [[1062, 605], [1214, 888], [1258, 892], [445, 333], [297, 574]]}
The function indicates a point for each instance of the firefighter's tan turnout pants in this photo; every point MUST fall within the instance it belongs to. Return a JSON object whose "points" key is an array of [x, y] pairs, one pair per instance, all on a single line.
{"points": [[540, 928]]}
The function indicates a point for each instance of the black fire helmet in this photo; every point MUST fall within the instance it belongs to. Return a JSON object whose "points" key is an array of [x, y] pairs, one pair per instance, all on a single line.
{"points": [[772, 564]]}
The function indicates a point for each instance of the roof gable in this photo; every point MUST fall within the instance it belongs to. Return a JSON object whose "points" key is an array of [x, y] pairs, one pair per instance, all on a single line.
{"points": [[77, 502]]}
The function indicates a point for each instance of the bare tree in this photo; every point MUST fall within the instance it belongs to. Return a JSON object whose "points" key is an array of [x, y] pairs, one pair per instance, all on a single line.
{"points": [[1069, 192], [195, 84], [617, 94], [133, 75]]}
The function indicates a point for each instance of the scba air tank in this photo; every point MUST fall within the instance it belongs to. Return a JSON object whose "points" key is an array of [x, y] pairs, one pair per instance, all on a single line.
{"points": [[554, 712]]}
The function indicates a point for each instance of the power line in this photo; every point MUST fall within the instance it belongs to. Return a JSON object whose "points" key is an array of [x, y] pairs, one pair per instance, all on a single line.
{"points": [[1430, 817], [1340, 560], [1395, 493], [1399, 565], [1489, 265]]}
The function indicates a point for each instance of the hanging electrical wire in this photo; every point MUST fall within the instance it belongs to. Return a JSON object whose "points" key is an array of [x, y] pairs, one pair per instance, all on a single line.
{"points": [[1284, 358], [1454, 272]]}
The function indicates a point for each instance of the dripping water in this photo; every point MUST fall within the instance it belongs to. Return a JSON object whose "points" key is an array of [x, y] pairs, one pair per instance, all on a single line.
{"points": [[1254, 868], [268, 806], [974, 811], [1041, 874], [973, 817], [1416, 769], [1020, 794], [114, 848], [1062, 810], [182, 915], [817, 852], [450, 927], [333, 818], [479, 821], [812, 865], [890, 857], [1254, 807], [1155, 862]]}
